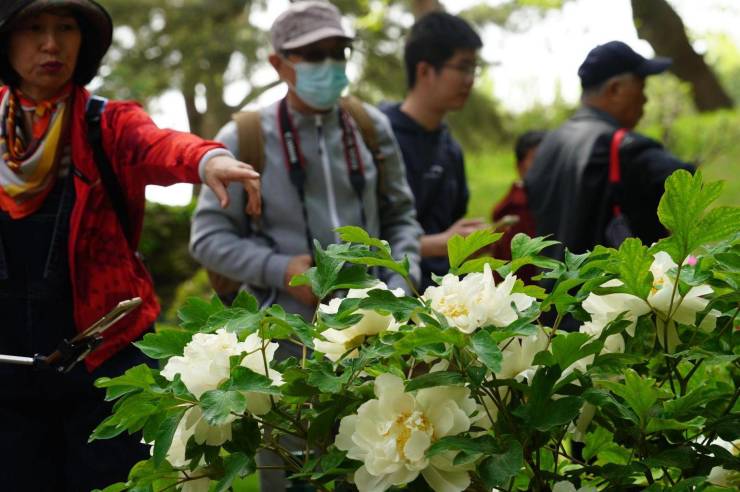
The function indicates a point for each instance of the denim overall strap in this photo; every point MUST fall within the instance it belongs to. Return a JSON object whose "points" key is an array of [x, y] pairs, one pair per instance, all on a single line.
{"points": [[35, 293]]}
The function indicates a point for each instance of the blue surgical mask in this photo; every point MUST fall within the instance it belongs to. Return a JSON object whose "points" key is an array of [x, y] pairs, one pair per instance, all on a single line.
{"points": [[320, 84]]}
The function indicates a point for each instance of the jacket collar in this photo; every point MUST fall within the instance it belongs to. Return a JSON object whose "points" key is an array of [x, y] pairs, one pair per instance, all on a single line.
{"points": [[402, 121], [591, 113]]}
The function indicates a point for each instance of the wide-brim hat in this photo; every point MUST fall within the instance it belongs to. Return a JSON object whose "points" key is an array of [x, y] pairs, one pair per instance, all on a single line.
{"points": [[98, 28]]}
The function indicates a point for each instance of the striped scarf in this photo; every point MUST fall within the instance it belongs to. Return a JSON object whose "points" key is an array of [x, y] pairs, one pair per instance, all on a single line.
{"points": [[29, 170]]}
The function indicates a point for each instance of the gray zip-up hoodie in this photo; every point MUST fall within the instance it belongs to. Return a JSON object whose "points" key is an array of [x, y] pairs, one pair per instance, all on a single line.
{"points": [[220, 239]]}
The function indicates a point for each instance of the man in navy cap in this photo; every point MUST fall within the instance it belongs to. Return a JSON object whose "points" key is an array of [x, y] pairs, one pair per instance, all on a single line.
{"points": [[568, 185]]}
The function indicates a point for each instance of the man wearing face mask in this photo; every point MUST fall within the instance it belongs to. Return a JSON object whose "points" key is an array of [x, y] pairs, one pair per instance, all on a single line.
{"points": [[318, 172]]}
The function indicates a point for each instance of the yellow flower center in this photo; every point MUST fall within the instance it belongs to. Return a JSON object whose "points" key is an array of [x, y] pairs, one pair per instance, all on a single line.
{"points": [[453, 309], [657, 285], [405, 424]]}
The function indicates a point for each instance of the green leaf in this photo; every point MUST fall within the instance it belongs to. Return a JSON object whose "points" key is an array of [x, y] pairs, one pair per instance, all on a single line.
{"points": [[354, 234], [480, 445], [367, 250], [460, 248], [194, 314], [321, 277], [523, 245], [236, 320], [558, 413], [659, 424], [218, 405], [381, 300], [640, 394], [163, 438], [235, 465], [164, 343], [245, 436], [499, 468], [634, 267], [478, 264], [375, 258], [682, 211], [603, 399], [137, 378], [682, 458], [354, 277], [428, 335], [244, 379], [571, 347], [322, 376], [441, 378], [487, 350], [246, 301], [596, 441]]}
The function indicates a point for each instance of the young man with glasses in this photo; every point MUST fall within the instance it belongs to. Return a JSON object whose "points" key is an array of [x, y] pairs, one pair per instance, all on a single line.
{"points": [[318, 172], [441, 65]]}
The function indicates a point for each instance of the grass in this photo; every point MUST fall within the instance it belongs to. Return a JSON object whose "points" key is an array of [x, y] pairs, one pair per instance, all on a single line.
{"points": [[489, 175]]}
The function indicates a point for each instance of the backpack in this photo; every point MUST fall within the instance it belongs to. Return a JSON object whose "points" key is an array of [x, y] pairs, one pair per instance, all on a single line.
{"points": [[252, 151]]}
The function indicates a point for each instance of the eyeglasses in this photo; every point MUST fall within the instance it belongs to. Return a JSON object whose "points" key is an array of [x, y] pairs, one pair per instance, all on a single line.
{"points": [[317, 55], [466, 69]]}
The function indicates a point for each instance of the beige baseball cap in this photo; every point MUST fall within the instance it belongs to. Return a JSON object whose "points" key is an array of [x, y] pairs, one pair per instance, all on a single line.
{"points": [[306, 22]]}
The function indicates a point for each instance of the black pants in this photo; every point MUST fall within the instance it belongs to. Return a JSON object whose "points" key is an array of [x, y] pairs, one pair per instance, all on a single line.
{"points": [[44, 433], [45, 417]]}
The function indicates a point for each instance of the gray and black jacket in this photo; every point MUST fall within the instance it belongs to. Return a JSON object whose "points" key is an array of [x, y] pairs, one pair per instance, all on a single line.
{"points": [[221, 239], [567, 185]]}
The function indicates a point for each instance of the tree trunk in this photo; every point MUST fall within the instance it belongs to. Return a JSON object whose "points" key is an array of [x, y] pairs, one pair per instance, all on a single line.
{"points": [[658, 24], [421, 7]]}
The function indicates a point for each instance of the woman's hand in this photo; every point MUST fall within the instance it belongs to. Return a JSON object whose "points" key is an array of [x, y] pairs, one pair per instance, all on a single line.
{"points": [[221, 170]]}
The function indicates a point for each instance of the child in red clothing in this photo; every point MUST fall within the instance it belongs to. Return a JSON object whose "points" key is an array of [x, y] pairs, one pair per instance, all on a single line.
{"points": [[511, 215]]}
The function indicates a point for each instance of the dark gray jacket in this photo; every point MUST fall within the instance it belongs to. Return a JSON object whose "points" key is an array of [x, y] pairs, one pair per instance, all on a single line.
{"points": [[568, 190]]}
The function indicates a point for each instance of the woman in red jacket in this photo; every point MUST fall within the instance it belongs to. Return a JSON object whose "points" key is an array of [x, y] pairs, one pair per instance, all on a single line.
{"points": [[65, 259]]}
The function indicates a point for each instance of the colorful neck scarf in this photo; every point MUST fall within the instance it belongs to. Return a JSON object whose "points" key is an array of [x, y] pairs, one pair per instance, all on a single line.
{"points": [[28, 170]]}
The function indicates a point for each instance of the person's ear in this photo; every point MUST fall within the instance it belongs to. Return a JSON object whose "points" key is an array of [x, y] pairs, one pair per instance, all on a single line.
{"points": [[276, 61], [613, 87], [423, 71]]}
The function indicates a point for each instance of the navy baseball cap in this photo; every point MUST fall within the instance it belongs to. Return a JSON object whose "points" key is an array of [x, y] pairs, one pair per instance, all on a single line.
{"points": [[615, 58]]}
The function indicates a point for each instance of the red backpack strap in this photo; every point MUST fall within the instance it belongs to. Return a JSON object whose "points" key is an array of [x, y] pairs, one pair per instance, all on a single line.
{"points": [[615, 174]]}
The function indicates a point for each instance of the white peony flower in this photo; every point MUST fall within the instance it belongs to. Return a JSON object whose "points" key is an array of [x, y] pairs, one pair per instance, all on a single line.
{"points": [[337, 342], [392, 433], [259, 403], [683, 309], [203, 367], [476, 301], [205, 364], [176, 458], [518, 354], [722, 476]]}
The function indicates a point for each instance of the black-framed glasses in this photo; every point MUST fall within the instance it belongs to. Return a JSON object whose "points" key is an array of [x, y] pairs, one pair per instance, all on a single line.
{"points": [[471, 70], [318, 55]]}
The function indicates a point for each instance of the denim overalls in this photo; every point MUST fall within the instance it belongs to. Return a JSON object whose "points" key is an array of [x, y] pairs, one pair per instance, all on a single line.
{"points": [[46, 417]]}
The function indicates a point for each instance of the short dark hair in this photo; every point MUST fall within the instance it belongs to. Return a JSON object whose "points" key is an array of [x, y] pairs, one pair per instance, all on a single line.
{"points": [[434, 39], [526, 142], [88, 59]]}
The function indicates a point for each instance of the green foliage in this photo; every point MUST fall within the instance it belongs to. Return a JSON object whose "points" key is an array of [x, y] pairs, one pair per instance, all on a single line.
{"points": [[474, 381], [682, 212]]}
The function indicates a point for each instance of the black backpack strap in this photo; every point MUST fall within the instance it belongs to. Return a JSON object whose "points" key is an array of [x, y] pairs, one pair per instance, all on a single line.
{"points": [[95, 107]]}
